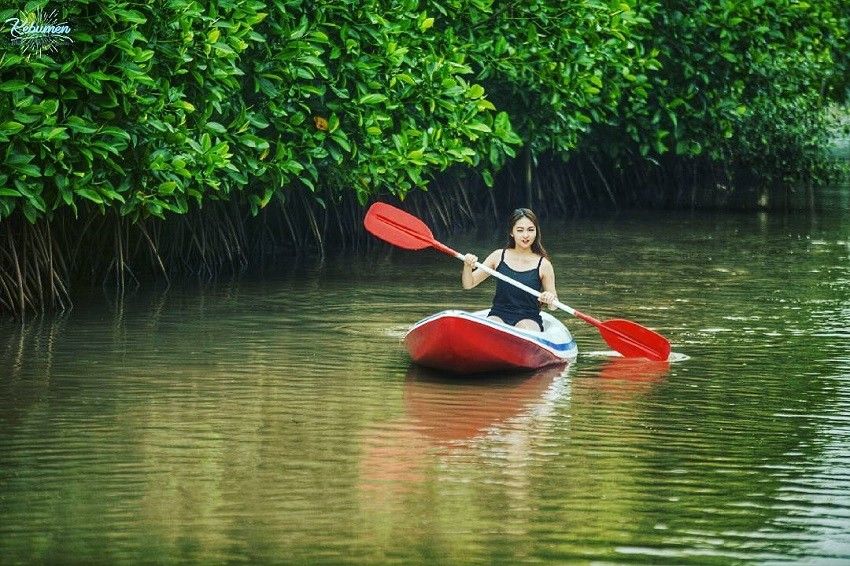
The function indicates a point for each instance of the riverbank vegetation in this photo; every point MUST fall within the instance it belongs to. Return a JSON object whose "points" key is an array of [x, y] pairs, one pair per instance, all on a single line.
{"points": [[194, 137]]}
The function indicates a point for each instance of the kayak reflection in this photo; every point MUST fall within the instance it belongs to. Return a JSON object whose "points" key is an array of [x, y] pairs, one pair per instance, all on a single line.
{"points": [[448, 407]]}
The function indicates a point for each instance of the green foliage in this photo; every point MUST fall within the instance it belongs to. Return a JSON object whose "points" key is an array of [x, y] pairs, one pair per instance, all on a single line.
{"points": [[123, 117], [558, 67], [742, 81], [396, 106], [156, 106], [160, 106]]}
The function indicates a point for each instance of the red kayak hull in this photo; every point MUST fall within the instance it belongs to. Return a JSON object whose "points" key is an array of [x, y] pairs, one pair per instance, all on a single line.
{"points": [[460, 342]]}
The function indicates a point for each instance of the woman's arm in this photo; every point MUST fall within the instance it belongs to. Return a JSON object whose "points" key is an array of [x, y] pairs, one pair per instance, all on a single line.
{"points": [[470, 278], [547, 278]]}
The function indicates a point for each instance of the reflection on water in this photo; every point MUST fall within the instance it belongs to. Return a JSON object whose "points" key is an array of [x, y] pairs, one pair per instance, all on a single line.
{"points": [[450, 408], [280, 420], [631, 376]]}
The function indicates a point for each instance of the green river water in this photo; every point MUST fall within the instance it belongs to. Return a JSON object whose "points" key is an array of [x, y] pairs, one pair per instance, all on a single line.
{"points": [[277, 419]]}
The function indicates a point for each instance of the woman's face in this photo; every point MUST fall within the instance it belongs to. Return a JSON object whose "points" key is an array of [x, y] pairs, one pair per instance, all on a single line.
{"points": [[524, 233]]}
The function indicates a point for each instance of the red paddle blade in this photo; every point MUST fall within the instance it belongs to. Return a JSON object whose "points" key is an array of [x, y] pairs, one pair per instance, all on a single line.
{"points": [[634, 341], [397, 227]]}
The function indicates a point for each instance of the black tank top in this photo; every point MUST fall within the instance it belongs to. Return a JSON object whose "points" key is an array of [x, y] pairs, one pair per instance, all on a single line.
{"points": [[515, 302]]}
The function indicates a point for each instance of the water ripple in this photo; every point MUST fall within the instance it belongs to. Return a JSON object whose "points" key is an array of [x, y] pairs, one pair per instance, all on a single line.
{"points": [[281, 421]]}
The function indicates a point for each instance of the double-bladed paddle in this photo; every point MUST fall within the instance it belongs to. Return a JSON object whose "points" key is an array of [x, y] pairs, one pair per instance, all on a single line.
{"points": [[404, 230]]}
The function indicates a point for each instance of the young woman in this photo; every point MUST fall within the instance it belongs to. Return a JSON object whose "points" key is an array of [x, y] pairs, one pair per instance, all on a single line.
{"points": [[525, 260]]}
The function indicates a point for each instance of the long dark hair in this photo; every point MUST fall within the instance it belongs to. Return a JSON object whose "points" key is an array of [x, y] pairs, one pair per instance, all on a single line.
{"points": [[537, 244]]}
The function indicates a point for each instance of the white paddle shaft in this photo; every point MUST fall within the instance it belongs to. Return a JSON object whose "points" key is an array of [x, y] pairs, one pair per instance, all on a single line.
{"points": [[516, 284]]}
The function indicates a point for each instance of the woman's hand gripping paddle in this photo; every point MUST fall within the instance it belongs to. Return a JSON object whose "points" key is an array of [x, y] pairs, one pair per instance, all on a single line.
{"points": [[404, 230]]}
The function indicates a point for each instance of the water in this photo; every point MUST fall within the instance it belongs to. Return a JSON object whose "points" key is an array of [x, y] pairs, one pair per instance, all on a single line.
{"points": [[279, 420]]}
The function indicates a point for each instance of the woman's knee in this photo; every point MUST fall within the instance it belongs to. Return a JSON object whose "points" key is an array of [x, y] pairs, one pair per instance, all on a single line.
{"points": [[528, 324]]}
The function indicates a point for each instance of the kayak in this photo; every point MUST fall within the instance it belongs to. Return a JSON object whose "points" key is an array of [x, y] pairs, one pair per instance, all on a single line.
{"points": [[468, 342]]}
